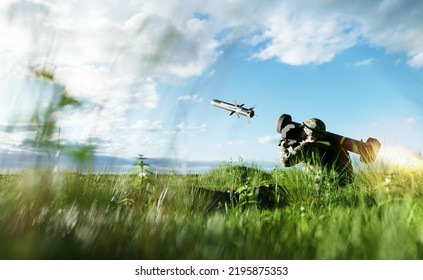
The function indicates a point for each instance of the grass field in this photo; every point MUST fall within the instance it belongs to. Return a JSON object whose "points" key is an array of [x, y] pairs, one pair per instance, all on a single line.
{"points": [[68, 215]]}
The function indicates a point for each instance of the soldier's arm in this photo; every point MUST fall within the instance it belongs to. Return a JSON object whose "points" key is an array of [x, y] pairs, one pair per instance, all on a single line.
{"points": [[284, 155], [293, 157]]}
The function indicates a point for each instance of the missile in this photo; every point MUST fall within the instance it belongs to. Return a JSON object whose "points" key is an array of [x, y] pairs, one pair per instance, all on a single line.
{"points": [[234, 108]]}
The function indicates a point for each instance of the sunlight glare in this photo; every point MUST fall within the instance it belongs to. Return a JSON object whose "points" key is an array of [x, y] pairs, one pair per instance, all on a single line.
{"points": [[400, 157]]}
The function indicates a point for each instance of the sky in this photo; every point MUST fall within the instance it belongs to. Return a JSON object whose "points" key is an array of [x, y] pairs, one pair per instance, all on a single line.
{"points": [[146, 71]]}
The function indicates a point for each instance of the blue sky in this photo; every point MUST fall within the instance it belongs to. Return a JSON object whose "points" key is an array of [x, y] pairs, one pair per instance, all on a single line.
{"points": [[146, 72]]}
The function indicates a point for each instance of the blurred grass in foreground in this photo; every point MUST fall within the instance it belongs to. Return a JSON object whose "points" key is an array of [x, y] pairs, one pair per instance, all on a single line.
{"points": [[68, 215]]}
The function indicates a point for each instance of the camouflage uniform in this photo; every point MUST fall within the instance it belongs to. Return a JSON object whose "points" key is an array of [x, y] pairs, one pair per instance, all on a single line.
{"points": [[320, 157]]}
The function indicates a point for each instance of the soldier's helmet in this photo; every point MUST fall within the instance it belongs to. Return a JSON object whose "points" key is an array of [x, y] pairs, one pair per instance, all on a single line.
{"points": [[314, 127]]}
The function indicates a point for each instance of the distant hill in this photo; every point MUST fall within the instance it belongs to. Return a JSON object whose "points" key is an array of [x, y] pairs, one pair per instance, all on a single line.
{"points": [[12, 162]]}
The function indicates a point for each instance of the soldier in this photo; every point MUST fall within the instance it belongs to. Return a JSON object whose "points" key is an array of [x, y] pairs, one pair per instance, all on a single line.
{"points": [[324, 157]]}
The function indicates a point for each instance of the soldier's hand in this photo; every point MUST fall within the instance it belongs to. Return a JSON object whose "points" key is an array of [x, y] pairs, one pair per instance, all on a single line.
{"points": [[284, 144]]}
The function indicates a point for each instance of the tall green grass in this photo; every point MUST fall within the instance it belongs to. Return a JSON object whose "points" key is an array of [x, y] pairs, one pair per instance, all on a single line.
{"points": [[68, 215]]}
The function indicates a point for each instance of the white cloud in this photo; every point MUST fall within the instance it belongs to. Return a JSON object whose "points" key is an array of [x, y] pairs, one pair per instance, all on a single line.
{"points": [[190, 98], [364, 62], [301, 32], [152, 126], [80, 125], [163, 44], [398, 26], [145, 90], [159, 38], [412, 121], [416, 60], [110, 132], [190, 127], [269, 139], [298, 37], [12, 141]]}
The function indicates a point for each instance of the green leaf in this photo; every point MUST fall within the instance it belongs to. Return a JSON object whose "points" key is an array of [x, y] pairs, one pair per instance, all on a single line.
{"points": [[43, 74], [67, 100], [134, 172]]}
